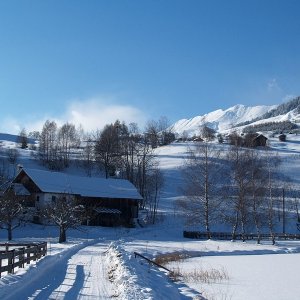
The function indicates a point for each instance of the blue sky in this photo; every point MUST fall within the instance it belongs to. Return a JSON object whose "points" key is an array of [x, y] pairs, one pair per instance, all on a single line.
{"points": [[91, 62]]}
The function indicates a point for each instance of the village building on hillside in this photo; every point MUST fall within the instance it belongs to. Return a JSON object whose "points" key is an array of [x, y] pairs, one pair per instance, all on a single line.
{"points": [[259, 141], [113, 201], [282, 137]]}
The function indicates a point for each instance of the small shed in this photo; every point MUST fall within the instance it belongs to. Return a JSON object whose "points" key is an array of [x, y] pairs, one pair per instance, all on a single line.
{"points": [[282, 137], [198, 139], [259, 141]]}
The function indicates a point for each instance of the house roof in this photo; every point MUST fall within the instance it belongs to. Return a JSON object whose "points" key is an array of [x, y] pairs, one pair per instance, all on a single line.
{"points": [[260, 136], [18, 189], [56, 182]]}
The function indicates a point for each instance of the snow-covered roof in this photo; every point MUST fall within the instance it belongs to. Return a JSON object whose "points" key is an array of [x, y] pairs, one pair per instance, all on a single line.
{"points": [[56, 182], [19, 189]]}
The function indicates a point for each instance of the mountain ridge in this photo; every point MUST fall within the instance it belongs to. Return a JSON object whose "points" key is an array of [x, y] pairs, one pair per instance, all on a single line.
{"points": [[240, 116], [221, 120]]}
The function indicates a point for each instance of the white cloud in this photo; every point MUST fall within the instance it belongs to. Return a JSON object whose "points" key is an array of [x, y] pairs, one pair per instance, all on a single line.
{"points": [[92, 114]]}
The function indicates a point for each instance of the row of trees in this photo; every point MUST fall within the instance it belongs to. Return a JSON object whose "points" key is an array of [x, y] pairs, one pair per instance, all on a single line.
{"points": [[119, 150], [239, 187], [56, 144]]}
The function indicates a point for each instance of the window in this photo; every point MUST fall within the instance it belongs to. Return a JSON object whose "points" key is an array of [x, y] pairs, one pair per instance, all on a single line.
{"points": [[53, 198], [37, 198]]}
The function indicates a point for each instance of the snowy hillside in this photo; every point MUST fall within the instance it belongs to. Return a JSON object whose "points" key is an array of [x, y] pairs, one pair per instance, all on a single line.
{"points": [[99, 262], [13, 138], [221, 120]]}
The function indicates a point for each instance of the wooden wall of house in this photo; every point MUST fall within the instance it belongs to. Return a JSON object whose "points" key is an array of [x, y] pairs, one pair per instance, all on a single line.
{"points": [[128, 208]]}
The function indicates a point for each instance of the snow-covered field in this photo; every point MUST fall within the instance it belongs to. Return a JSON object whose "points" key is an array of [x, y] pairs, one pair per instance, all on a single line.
{"points": [[99, 263]]}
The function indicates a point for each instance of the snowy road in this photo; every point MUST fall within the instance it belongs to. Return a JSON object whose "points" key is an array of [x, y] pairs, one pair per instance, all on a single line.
{"points": [[79, 274]]}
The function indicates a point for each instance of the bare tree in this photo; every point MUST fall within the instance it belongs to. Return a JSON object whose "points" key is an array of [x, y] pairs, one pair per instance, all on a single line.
{"points": [[67, 139], [12, 157], [4, 171], [152, 133], [106, 149], [88, 154], [23, 139], [272, 162], [155, 183], [257, 182], [165, 132], [65, 213], [48, 149], [235, 139], [240, 181], [201, 173], [11, 211], [207, 133]]}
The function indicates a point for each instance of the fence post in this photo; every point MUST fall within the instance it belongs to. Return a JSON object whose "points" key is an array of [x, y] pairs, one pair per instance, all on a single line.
{"points": [[45, 252], [11, 261], [22, 257], [35, 252], [28, 256]]}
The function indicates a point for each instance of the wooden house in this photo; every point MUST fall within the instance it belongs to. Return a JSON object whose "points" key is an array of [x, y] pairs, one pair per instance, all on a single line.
{"points": [[259, 141], [282, 137], [113, 201]]}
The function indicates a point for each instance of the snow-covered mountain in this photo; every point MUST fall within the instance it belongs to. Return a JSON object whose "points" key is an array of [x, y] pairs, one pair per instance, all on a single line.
{"points": [[221, 120], [240, 116]]}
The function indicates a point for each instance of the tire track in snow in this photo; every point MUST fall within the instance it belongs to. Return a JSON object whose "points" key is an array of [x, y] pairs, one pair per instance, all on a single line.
{"points": [[78, 273], [86, 276]]}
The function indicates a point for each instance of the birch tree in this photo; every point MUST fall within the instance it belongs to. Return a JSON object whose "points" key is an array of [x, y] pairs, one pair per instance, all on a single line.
{"points": [[272, 162], [201, 174]]}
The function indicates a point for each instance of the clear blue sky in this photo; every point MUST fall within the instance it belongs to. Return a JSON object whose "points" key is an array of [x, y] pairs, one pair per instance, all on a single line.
{"points": [[143, 59]]}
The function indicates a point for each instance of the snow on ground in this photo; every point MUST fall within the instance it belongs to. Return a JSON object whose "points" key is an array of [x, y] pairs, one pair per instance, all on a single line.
{"points": [[99, 263], [251, 277]]}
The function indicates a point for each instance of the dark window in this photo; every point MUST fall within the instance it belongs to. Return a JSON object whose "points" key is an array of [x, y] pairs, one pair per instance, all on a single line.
{"points": [[53, 198], [37, 198]]}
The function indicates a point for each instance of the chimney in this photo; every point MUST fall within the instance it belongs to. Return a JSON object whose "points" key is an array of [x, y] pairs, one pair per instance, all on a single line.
{"points": [[19, 168]]}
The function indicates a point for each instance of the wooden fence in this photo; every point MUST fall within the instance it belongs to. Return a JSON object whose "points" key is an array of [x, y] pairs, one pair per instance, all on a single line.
{"points": [[19, 255], [247, 236], [151, 262]]}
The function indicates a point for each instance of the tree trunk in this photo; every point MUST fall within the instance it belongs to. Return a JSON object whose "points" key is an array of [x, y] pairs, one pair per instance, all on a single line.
{"points": [[62, 235], [243, 223], [257, 226], [207, 220], [235, 225], [9, 232]]}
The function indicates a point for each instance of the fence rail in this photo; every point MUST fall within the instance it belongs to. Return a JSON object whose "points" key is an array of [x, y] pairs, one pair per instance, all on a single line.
{"points": [[151, 262], [249, 236], [20, 255]]}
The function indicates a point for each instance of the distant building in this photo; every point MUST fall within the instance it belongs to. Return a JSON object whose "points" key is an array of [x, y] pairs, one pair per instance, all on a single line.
{"points": [[113, 201], [282, 137], [259, 141], [198, 139]]}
